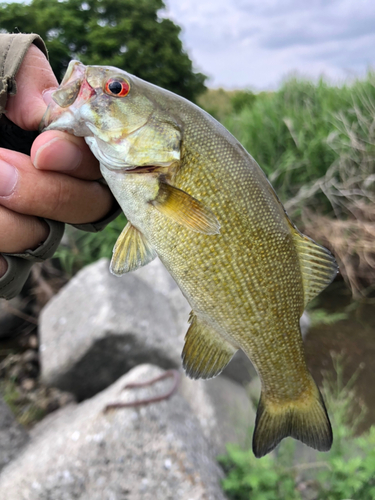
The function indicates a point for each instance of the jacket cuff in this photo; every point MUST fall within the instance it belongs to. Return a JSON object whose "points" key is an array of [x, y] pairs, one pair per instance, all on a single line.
{"points": [[13, 48], [19, 264], [94, 227]]}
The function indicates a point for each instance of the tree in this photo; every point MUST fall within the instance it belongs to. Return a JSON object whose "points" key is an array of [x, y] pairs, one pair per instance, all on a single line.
{"points": [[129, 34]]}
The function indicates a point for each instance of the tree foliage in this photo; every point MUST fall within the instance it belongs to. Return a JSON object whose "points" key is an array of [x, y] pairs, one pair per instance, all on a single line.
{"points": [[129, 34]]}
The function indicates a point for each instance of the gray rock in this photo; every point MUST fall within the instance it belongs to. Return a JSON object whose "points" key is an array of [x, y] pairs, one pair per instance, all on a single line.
{"points": [[99, 327], [12, 435], [240, 369], [223, 408], [155, 452], [305, 323]]}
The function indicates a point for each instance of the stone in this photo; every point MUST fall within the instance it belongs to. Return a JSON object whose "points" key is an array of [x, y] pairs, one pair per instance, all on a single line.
{"points": [[12, 435], [240, 369], [98, 327], [154, 452], [305, 324], [223, 409]]}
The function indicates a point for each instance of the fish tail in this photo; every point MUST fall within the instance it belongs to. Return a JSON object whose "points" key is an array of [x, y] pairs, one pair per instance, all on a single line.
{"points": [[305, 419]]}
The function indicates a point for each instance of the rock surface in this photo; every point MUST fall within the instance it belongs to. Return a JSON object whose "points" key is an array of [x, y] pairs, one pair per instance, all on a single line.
{"points": [[223, 409], [12, 435], [150, 453], [99, 327]]}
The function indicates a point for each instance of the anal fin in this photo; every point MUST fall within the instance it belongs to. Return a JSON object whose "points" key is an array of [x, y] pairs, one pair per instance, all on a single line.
{"points": [[131, 251], [206, 353], [185, 210], [318, 265]]}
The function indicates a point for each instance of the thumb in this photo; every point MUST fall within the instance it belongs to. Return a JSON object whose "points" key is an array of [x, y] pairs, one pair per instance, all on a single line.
{"points": [[35, 75]]}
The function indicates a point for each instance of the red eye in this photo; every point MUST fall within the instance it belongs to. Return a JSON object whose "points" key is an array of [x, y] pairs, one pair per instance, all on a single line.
{"points": [[117, 87]]}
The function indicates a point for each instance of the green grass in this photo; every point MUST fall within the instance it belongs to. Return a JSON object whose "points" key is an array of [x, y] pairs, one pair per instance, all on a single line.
{"points": [[297, 133], [26, 411], [81, 248]]}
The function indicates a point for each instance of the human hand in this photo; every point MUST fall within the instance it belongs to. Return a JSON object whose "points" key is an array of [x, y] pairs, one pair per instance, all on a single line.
{"points": [[56, 182]]}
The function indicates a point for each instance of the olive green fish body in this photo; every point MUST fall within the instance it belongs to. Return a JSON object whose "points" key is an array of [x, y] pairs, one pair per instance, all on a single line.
{"points": [[194, 197]]}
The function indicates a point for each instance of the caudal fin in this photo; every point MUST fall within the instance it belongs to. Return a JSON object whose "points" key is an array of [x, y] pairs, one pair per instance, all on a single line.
{"points": [[305, 419]]}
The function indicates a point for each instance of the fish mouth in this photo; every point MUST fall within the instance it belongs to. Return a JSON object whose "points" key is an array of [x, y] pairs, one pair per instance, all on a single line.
{"points": [[142, 170], [146, 169]]}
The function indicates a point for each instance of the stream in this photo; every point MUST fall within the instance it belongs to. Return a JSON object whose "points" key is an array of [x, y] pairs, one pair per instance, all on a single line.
{"points": [[353, 338]]}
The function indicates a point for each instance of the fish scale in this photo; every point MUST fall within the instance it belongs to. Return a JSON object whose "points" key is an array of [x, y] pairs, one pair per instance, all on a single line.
{"points": [[194, 197]]}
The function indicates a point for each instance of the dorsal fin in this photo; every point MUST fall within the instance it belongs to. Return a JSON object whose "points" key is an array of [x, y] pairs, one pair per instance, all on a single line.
{"points": [[318, 265], [206, 353]]}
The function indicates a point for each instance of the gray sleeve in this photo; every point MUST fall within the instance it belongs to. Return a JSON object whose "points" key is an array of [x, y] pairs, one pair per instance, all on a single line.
{"points": [[19, 265], [13, 48]]}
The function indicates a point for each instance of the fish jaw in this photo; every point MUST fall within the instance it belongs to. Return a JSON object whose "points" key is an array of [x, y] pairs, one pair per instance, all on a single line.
{"points": [[68, 102]]}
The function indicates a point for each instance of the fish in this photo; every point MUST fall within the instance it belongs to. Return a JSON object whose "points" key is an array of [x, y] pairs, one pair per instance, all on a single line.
{"points": [[194, 197]]}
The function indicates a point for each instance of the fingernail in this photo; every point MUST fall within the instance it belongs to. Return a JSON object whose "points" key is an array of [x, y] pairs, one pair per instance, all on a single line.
{"points": [[8, 178], [58, 154]]}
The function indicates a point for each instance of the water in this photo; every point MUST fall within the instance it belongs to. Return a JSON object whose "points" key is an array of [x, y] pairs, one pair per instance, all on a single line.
{"points": [[354, 338]]}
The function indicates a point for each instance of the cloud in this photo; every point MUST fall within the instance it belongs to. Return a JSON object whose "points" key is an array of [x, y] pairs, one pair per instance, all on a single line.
{"points": [[256, 43], [317, 27]]}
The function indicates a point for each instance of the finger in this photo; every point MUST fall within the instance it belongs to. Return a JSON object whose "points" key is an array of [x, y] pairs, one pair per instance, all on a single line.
{"points": [[58, 151], [50, 194], [35, 75], [20, 232]]}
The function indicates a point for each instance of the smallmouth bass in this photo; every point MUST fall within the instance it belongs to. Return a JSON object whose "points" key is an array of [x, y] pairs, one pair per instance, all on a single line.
{"points": [[195, 197]]}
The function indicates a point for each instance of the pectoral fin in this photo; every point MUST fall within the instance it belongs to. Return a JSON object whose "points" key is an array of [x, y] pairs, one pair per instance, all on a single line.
{"points": [[206, 353], [318, 265], [131, 251], [186, 210]]}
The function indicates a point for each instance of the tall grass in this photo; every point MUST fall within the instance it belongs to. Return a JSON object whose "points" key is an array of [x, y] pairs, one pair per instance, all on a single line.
{"points": [[298, 132]]}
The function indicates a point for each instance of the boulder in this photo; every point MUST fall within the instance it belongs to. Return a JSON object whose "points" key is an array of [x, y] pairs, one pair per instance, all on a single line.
{"points": [[305, 323], [99, 326], [223, 409], [12, 435], [240, 369], [154, 452]]}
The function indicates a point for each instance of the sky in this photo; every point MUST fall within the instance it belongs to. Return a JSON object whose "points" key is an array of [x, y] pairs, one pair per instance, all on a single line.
{"points": [[258, 43]]}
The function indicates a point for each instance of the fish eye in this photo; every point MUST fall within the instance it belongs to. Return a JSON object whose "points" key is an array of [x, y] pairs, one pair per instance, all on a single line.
{"points": [[117, 87]]}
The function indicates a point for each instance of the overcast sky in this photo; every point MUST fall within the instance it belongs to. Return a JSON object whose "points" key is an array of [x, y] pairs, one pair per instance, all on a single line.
{"points": [[256, 43]]}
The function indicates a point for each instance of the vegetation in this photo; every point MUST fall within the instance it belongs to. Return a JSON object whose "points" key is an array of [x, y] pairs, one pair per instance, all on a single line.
{"points": [[347, 471], [79, 249], [27, 411], [297, 133], [129, 34]]}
